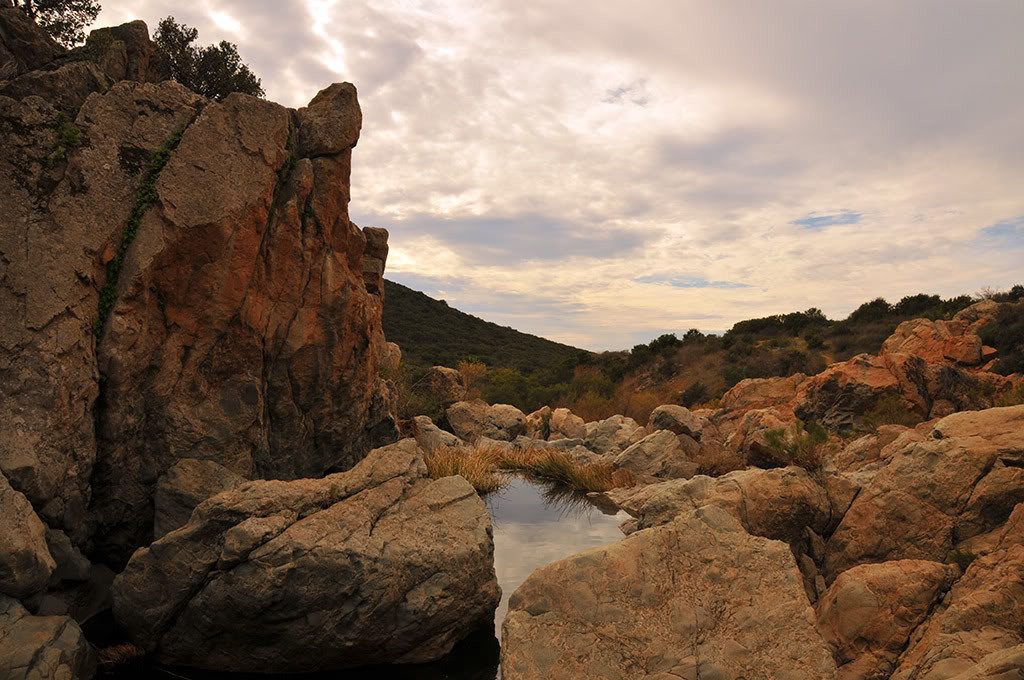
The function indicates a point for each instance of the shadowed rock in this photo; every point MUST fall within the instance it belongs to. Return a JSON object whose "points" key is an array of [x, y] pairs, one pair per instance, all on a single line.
{"points": [[376, 565]]}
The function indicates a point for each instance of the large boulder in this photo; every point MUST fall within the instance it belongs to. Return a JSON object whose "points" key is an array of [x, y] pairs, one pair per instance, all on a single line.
{"points": [[185, 485], [42, 647], [612, 436], [379, 564], [936, 341], [430, 437], [957, 482], [25, 560], [538, 423], [659, 455], [471, 420], [763, 393], [446, 384], [677, 419], [565, 424], [697, 598], [982, 616], [870, 611], [843, 393]]}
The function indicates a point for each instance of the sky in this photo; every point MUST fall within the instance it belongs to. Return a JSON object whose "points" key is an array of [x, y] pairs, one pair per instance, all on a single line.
{"points": [[599, 173]]}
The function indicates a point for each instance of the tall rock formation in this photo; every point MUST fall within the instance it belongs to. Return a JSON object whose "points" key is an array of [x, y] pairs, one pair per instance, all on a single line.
{"points": [[180, 280]]}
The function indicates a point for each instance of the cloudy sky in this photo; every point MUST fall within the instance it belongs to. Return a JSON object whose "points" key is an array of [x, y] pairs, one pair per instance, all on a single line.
{"points": [[602, 172]]}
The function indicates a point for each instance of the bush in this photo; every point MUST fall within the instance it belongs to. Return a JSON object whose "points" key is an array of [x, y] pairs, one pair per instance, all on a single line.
{"points": [[413, 394], [803, 444], [695, 394], [891, 409], [1006, 333]]}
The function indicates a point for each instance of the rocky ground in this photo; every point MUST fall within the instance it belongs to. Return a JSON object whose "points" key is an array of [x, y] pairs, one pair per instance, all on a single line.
{"points": [[197, 443]]}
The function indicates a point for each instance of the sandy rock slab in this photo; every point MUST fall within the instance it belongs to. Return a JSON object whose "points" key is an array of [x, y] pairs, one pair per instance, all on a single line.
{"points": [[696, 598], [379, 564]]}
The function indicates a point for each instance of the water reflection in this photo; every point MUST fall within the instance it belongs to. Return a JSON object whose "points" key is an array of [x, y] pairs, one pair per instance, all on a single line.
{"points": [[534, 524]]}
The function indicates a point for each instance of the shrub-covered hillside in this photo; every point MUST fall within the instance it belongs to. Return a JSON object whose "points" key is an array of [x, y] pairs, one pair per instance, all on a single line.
{"points": [[431, 333]]}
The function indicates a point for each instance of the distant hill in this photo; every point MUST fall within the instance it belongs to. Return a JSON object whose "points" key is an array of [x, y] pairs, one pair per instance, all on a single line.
{"points": [[431, 333]]}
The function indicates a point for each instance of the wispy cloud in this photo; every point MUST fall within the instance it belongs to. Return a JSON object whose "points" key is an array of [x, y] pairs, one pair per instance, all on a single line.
{"points": [[689, 282]]}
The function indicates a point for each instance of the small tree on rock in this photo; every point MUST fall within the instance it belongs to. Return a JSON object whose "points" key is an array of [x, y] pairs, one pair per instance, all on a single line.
{"points": [[63, 20], [214, 71]]}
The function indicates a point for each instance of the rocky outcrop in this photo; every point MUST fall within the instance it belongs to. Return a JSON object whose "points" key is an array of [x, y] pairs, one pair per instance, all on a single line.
{"points": [[471, 420], [981, 620], [659, 455], [379, 564], [936, 341], [181, 280], [697, 598], [25, 560], [23, 47], [185, 485], [955, 483], [869, 613], [42, 647], [776, 503]]}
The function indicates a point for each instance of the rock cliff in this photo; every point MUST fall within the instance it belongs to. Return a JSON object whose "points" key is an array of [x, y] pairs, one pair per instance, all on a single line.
{"points": [[181, 280]]}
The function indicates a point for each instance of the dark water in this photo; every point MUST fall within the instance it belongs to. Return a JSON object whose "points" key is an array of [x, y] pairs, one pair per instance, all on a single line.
{"points": [[534, 525]]}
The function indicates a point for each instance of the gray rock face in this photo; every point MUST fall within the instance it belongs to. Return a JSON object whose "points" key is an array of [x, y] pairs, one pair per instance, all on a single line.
{"points": [[565, 424], [185, 485], [612, 436], [677, 419], [23, 46], [379, 564], [25, 560], [446, 384], [42, 647], [697, 598], [474, 419], [659, 455], [429, 436]]}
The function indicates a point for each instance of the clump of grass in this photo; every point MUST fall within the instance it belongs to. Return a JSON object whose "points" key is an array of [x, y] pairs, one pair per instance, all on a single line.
{"points": [[891, 410], [69, 138], [476, 464], [145, 198], [803, 444], [561, 468], [1011, 397]]}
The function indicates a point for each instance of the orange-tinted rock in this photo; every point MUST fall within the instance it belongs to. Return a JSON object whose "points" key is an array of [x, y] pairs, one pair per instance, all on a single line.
{"points": [[936, 341], [870, 611], [244, 331], [763, 392], [983, 615]]}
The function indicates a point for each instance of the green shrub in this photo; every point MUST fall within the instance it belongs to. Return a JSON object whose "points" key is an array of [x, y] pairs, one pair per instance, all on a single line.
{"points": [[803, 444], [891, 409], [1006, 333], [145, 198], [696, 393], [69, 138]]}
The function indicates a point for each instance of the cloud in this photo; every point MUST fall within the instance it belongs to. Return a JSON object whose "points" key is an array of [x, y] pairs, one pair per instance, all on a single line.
{"points": [[689, 282], [822, 221], [607, 173]]}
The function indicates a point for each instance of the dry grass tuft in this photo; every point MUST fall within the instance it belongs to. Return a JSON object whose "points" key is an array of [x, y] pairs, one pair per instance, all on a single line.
{"points": [[477, 464], [561, 468]]}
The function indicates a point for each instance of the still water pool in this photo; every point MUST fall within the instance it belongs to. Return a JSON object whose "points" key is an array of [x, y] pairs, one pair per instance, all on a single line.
{"points": [[534, 524]]}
